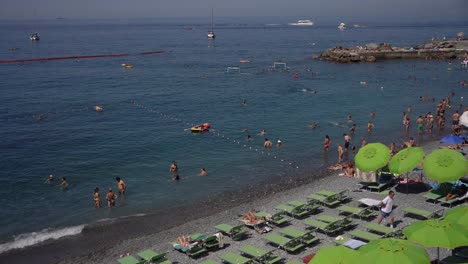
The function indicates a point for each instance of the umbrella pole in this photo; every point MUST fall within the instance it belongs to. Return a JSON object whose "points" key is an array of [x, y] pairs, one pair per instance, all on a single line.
{"points": [[438, 255]]}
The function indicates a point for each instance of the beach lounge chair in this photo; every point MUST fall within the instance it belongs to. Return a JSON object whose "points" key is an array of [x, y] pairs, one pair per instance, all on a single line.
{"points": [[453, 260], [453, 201], [211, 243], [295, 211], [305, 237], [277, 219], [357, 212], [364, 235], [294, 262], [385, 180], [326, 198], [380, 229], [340, 221], [290, 245], [129, 260], [441, 191], [153, 257], [209, 261], [233, 258], [196, 250], [260, 255], [327, 228], [234, 232], [419, 213], [311, 206]]}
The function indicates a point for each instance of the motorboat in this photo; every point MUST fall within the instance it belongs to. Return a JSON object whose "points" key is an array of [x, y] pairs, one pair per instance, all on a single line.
{"points": [[211, 34], [302, 23], [201, 128], [342, 26], [34, 37]]}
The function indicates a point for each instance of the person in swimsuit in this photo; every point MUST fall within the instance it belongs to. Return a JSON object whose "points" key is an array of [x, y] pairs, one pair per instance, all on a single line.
{"points": [[340, 153], [64, 184], [110, 197], [97, 198], [420, 125], [267, 143], [326, 143], [173, 169], [121, 186], [203, 172], [50, 180], [352, 129], [347, 140]]}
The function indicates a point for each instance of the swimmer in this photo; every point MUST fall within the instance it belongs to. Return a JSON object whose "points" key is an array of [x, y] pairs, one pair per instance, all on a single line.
{"points": [[279, 144], [372, 114], [326, 143], [267, 143], [50, 179], [173, 169], [249, 137], [313, 125], [64, 184], [263, 132], [352, 129], [350, 118], [245, 130], [97, 198], [121, 186], [244, 102], [203, 172], [98, 108], [370, 126], [110, 197]]}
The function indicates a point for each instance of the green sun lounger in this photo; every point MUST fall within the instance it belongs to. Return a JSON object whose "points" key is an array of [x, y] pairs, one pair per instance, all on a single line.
{"points": [[340, 221], [278, 219], [327, 228], [196, 250], [357, 212], [234, 232], [260, 255], [376, 228], [330, 200], [233, 258], [129, 260], [423, 213], [209, 261], [295, 262], [290, 245], [305, 237], [294, 211], [153, 257], [211, 243], [364, 235], [453, 201], [326, 193]]}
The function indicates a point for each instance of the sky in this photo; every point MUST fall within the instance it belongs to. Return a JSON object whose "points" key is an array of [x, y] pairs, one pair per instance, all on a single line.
{"points": [[327, 10]]}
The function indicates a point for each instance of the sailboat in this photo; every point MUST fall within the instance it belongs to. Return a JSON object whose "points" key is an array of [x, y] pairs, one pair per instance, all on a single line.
{"points": [[211, 33]]}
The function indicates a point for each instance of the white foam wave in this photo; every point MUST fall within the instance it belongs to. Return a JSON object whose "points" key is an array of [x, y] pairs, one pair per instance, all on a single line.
{"points": [[29, 239]]}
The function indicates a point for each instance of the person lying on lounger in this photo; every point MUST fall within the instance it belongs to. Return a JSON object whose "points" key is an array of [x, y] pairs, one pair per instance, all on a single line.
{"points": [[184, 241], [459, 191], [251, 219]]}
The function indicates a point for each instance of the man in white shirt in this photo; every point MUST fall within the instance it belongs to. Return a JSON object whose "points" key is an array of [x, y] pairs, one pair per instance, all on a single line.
{"points": [[386, 207]]}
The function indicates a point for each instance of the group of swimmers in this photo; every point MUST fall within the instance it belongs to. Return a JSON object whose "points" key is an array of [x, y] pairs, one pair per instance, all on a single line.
{"points": [[111, 197], [174, 171]]}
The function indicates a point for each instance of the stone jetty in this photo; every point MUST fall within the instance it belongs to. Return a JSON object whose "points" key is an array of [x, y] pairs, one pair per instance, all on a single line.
{"points": [[440, 50]]}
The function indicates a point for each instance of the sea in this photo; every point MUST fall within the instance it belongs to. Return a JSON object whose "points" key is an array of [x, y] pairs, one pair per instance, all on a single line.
{"points": [[49, 125]]}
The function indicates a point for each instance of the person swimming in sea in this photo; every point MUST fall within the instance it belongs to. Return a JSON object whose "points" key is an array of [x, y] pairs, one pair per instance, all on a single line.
{"points": [[50, 179]]}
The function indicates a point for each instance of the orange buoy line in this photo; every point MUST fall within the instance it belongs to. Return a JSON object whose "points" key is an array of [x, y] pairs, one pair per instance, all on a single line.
{"points": [[79, 57]]}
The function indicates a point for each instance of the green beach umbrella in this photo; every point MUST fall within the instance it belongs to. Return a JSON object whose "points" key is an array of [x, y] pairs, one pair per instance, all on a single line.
{"points": [[458, 215], [339, 255], [372, 157], [437, 233], [406, 160], [444, 165], [394, 251]]}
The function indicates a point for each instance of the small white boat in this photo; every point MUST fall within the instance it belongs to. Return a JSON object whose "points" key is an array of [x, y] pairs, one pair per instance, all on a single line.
{"points": [[342, 26], [34, 37], [304, 22], [211, 33]]}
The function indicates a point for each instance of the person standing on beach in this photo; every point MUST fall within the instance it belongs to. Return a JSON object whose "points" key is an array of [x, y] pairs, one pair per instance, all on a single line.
{"points": [[111, 197], [340, 153], [386, 208], [455, 119], [121, 186], [407, 123], [363, 142], [420, 125], [347, 140], [430, 124], [97, 198], [326, 143]]}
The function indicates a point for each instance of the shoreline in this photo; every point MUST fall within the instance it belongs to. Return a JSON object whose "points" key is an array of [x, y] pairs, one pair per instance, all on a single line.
{"points": [[136, 233]]}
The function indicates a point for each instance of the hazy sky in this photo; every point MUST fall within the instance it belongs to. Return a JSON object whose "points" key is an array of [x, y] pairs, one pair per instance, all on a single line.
{"points": [[302, 9]]}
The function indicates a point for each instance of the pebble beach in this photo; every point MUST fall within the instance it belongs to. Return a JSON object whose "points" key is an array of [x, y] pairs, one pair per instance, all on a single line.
{"points": [[161, 242]]}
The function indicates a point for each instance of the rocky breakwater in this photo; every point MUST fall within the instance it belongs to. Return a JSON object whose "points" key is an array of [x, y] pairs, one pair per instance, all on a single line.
{"points": [[372, 52]]}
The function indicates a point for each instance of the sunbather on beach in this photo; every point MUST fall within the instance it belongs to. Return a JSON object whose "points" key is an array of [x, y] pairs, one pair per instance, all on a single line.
{"points": [[459, 191], [251, 219], [184, 241]]}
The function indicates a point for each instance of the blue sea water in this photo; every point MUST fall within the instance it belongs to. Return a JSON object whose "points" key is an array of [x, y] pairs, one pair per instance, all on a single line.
{"points": [[149, 108]]}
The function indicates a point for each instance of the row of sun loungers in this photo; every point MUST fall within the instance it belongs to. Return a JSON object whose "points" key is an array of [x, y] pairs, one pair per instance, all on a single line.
{"points": [[146, 256]]}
